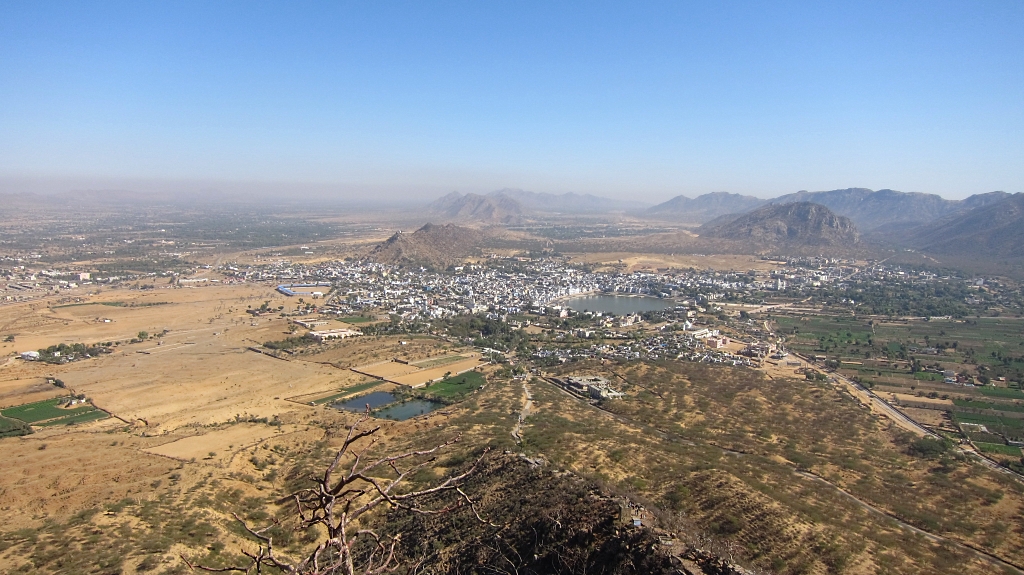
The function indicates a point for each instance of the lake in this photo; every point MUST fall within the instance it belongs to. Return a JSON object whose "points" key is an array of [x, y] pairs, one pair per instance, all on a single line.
{"points": [[617, 304], [383, 399]]}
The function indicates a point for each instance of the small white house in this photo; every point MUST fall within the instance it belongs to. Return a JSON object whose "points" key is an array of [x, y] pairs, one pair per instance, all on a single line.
{"points": [[30, 355]]}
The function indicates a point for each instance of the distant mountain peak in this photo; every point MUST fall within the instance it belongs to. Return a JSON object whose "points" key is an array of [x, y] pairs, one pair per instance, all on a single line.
{"points": [[796, 224], [477, 208]]}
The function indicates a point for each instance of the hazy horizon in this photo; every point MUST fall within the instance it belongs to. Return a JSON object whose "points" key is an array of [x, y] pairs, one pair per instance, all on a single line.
{"points": [[292, 192], [403, 102]]}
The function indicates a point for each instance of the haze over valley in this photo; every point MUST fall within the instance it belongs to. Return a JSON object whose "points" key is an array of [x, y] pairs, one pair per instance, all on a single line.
{"points": [[672, 288]]}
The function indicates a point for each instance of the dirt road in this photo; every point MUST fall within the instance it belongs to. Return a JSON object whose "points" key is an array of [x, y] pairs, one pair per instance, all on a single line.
{"points": [[523, 414]]}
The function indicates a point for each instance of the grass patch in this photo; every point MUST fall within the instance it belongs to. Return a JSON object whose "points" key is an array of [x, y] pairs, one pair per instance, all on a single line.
{"points": [[999, 448], [357, 319], [456, 386], [1001, 392], [83, 417], [13, 427], [41, 410], [986, 405]]}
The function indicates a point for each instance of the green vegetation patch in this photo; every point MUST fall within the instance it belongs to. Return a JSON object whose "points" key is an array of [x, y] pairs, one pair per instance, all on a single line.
{"points": [[48, 412], [357, 319], [13, 427], [42, 410], [456, 386], [290, 342], [987, 405], [999, 448], [1002, 392], [81, 417]]}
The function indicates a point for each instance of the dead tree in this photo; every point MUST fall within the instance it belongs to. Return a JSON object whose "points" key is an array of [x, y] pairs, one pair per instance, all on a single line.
{"points": [[351, 486]]}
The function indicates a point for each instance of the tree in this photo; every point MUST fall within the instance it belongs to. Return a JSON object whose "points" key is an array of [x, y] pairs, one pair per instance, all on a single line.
{"points": [[335, 504], [143, 335]]}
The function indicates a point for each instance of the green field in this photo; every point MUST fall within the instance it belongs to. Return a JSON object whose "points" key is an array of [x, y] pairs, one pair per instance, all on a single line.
{"points": [[356, 319], [47, 412], [347, 392], [1002, 392], [13, 427], [42, 410], [999, 448], [456, 386], [92, 415], [988, 405], [990, 420]]}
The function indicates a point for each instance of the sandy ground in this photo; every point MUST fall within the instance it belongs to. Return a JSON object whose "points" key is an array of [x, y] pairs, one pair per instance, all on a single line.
{"points": [[938, 403], [176, 397], [413, 376], [222, 443], [930, 417]]}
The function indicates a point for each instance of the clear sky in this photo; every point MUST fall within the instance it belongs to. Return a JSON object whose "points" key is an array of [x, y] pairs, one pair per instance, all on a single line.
{"points": [[638, 100]]}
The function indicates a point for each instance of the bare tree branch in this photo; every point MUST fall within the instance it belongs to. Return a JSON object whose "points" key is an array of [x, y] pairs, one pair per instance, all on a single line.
{"points": [[341, 496]]}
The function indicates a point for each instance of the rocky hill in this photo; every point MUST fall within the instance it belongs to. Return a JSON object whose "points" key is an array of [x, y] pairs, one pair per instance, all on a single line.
{"points": [[432, 246], [995, 230], [705, 207], [476, 208], [795, 225]]}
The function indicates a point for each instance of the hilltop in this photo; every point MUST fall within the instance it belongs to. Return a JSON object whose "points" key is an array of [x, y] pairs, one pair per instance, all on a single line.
{"points": [[992, 230], [477, 208], [433, 246], [706, 207], [801, 224]]}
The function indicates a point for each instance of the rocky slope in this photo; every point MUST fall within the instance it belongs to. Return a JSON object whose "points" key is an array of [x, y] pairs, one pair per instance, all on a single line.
{"points": [[476, 208], [990, 231], [706, 207], [432, 246], [801, 224]]}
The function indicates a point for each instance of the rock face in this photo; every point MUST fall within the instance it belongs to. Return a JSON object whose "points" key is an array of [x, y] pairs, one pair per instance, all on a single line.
{"points": [[990, 231], [477, 208], [706, 207], [872, 210], [431, 246], [801, 224]]}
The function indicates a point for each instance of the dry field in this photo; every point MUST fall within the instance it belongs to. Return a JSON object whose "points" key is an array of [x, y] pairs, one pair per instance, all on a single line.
{"points": [[415, 376], [201, 425], [631, 261]]}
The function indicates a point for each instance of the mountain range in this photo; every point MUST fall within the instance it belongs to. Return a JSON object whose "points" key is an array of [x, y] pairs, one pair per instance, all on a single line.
{"points": [[794, 225], [869, 209]]}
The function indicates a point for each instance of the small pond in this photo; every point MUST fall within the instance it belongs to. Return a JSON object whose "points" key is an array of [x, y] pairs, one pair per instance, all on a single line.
{"points": [[383, 399], [407, 410], [375, 399], [617, 304]]}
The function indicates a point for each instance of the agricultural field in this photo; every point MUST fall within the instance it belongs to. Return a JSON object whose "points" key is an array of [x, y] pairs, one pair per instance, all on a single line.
{"points": [[910, 360], [456, 386], [50, 412], [13, 427]]}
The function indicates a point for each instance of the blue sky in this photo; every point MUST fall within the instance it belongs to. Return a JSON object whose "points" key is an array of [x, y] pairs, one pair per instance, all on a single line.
{"points": [[421, 98]]}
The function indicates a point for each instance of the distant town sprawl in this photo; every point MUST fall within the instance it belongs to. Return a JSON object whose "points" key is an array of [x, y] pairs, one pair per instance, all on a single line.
{"points": [[512, 290]]}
